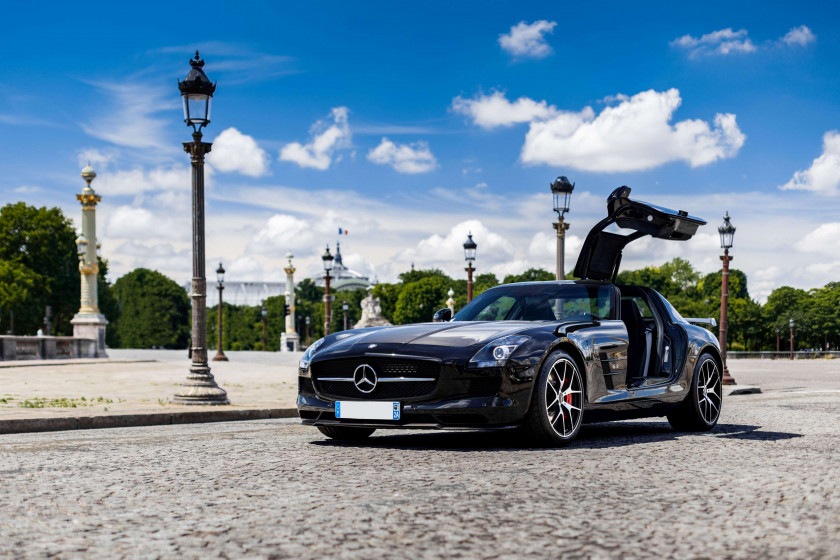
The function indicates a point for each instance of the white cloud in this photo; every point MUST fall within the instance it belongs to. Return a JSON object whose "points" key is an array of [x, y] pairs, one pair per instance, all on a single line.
{"points": [[281, 233], [481, 185], [405, 158], [234, 151], [634, 135], [130, 120], [490, 111], [139, 180], [327, 137], [801, 36], [822, 240], [447, 251], [724, 41], [130, 222], [824, 174], [528, 39]]}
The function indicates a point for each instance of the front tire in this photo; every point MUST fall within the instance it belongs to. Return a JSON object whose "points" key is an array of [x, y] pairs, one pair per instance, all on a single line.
{"points": [[345, 433], [700, 410], [557, 405]]}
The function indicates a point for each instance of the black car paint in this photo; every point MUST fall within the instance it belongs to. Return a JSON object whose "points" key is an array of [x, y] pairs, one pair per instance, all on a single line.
{"points": [[599, 348]]}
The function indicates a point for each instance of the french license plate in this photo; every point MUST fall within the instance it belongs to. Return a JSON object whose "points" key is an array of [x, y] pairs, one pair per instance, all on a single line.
{"points": [[367, 410]]}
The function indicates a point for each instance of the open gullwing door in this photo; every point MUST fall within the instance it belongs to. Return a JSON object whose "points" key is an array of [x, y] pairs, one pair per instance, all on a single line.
{"points": [[600, 256]]}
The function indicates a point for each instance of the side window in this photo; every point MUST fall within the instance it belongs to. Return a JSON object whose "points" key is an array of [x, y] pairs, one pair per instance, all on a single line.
{"points": [[497, 310], [642, 305], [583, 303]]}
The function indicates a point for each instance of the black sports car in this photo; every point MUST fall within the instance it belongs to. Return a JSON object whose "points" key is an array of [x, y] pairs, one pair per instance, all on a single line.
{"points": [[546, 356]]}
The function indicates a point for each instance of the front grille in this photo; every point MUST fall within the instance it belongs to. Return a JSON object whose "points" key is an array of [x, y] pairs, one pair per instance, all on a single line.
{"points": [[385, 368], [305, 386]]}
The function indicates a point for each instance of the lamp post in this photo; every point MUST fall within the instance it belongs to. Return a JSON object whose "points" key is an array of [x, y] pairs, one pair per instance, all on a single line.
{"points": [[47, 320], [791, 338], [469, 255], [778, 341], [561, 190], [220, 279], [197, 92], [345, 307], [328, 264], [308, 321], [727, 233], [264, 313]]}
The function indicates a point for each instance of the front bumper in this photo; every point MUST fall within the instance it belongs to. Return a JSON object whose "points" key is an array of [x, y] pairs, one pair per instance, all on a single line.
{"points": [[464, 412]]}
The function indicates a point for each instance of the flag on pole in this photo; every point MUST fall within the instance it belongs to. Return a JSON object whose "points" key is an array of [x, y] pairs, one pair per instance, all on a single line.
{"points": [[342, 231]]}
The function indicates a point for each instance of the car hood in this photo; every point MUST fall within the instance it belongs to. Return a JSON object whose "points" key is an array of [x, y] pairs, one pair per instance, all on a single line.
{"points": [[438, 340]]}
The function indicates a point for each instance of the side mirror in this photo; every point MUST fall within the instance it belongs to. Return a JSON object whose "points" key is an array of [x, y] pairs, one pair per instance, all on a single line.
{"points": [[443, 316]]}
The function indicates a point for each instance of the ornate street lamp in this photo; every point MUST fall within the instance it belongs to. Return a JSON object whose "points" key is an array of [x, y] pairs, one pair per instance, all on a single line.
{"points": [[469, 256], [328, 265], [345, 307], [791, 338], [778, 341], [220, 284], [727, 234], [561, 189], [264, 313], [196, 92]]}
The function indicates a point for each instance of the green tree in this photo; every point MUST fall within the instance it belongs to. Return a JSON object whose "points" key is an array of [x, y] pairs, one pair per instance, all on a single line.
{"points": [[108, 304], [419, 300], [484, 282], [786, 303], [530, 275], [825, 314], [154, 311], [16, 284], [44, 241]]}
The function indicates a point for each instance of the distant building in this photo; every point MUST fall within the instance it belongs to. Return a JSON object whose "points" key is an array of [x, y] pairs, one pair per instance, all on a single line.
{"points": [[243, 293], [343, 278]]}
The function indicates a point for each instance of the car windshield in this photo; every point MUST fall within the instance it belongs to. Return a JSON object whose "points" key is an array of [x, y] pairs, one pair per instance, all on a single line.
{"points": [[540, 302]]}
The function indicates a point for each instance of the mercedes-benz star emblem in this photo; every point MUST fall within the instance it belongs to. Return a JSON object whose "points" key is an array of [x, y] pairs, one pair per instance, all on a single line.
{"points": [[364, 377]]}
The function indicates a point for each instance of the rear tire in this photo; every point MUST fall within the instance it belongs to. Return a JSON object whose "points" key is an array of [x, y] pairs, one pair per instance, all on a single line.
{"points": [[700, 410], [557, 404], [345, 432]]}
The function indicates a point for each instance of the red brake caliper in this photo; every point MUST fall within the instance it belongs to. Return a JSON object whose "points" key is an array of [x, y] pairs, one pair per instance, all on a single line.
{"points": [[568, 399]]}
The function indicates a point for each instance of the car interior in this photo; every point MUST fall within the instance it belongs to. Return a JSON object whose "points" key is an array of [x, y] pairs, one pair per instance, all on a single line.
{"points": [[645, 334]]}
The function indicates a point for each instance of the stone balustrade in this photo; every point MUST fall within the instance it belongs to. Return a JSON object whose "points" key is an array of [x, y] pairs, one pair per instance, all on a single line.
{"points": [[45, 347]]}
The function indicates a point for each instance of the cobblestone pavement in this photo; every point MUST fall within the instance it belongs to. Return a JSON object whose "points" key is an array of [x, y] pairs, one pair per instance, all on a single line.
{"points": [[764, 484]]}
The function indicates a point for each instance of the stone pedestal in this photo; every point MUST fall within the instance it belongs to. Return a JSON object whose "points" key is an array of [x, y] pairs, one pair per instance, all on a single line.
{"points": [[290, 342], [93, 327]]}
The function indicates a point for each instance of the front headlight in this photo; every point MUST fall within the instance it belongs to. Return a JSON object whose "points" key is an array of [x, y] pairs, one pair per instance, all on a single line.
{"points": [[307, 356], [496, 353]]}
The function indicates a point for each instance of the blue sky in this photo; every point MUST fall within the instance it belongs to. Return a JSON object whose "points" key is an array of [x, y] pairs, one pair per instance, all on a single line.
{"points": [[410, 126]]}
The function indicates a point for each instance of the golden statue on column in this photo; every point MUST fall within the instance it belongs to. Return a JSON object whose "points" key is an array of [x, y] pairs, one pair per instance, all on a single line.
{"points": [[89, 322]]}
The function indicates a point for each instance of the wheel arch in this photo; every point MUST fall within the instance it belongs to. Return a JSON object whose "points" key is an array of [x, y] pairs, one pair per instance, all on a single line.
{"points": [[712, 350], [572, 350]]}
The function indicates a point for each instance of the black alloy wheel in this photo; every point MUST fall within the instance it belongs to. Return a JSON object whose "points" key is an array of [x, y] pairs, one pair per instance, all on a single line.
{"points": [[700, 410], [345, 432], [557, 404]]}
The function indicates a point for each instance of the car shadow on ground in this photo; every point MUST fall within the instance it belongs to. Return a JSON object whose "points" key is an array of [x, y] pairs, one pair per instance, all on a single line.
{"points": [[594, 436]]}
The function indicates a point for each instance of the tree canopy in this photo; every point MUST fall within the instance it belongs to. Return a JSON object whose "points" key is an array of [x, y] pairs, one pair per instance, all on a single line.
{"points": [[154, 311]]}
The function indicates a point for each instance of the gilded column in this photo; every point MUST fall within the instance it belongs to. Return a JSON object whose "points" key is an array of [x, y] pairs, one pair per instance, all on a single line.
{"points": [[291, 338], [89, 322]]}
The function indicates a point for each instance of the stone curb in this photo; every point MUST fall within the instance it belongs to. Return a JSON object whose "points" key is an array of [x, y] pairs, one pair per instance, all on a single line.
{"points": [[28, 425], [76, 362]]}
